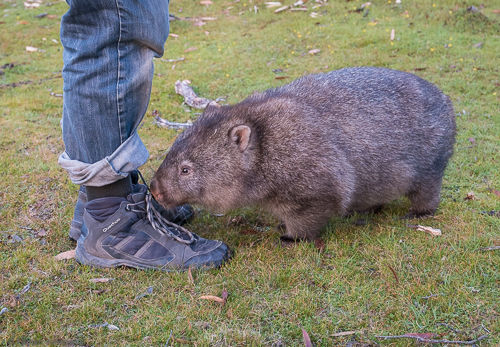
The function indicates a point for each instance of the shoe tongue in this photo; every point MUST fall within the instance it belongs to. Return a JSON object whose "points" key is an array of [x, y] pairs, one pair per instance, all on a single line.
{"points": [[100, 209], [137, 197]]}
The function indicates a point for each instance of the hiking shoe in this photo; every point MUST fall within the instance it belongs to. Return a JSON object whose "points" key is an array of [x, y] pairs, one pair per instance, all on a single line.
{"points": [[136, 235], [178, 215]]}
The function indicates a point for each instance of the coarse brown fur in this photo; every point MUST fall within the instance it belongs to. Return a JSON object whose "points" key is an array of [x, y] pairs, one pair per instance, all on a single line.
{"points": [[323, 145]]}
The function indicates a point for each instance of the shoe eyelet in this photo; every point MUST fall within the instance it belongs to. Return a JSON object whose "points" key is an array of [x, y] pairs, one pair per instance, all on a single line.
{"points": [[127, 208]]}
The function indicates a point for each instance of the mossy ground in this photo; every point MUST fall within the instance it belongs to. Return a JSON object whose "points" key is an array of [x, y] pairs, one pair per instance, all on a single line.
{"points": [[372, 278]]}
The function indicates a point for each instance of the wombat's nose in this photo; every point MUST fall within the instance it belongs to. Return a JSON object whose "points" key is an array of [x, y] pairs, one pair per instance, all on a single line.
{"points": [[155, 189]]}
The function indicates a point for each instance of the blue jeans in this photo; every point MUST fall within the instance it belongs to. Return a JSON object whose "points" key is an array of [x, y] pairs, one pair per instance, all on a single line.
{"points": [[109, 47]]}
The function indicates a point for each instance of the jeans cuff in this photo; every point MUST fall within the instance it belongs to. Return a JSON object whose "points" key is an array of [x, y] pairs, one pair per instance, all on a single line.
{"points": [[128, 157]]}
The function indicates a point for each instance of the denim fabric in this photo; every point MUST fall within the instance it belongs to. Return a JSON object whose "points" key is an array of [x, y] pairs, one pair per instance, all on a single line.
{"points": [[109, 47]]}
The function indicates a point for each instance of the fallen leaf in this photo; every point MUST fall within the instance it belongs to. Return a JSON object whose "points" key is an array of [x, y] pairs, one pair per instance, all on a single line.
{"points": [[248, 232], [345, 333], [190, 276], [66, 255], [52, 16], [314, 51], [31, 49], [24, 22], [190, 49], [208, 19], [429, 230], [280, 77], [496, 11], [307, 339], [212, 298], [394, 274], [206, 2], [319, 244], [101, 280], [314, 15], [470, 196], [173, 35]]}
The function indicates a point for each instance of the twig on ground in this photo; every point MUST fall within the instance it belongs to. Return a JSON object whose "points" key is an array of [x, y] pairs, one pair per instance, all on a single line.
{"points": [[190, 98], [492, 248], [169, 337], [173, 60], [430, 296], [170, 125], [21, 83], [346, 333]]}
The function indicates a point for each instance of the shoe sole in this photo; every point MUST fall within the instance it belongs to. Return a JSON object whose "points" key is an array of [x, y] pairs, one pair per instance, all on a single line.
{"points": [[85, 258]]}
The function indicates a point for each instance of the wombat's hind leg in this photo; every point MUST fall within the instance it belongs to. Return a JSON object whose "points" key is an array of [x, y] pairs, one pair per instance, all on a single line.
{"points": [[425, 199], [305, 226]]}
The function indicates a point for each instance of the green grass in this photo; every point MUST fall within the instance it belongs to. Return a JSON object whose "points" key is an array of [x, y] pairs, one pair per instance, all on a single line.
{"points": [[274, 290]]}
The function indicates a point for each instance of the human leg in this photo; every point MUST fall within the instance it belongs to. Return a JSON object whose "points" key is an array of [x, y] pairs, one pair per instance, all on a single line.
{"points": [[108, 70]]}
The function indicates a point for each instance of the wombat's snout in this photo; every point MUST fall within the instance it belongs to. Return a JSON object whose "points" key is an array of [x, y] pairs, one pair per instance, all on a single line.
{"points": [[156, 190]]}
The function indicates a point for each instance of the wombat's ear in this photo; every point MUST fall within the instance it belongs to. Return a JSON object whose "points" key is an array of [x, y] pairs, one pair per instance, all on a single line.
{"points": [[240, 136]]}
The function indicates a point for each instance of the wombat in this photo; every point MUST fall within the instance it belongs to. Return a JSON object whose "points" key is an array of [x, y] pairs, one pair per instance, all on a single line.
{"points": [[326, 144]]}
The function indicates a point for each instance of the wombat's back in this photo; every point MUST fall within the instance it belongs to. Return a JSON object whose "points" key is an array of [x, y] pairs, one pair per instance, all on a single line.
{"points": [[396, 129]]}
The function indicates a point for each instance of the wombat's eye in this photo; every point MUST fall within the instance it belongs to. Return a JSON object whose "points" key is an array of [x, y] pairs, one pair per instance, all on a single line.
{"points": [[184, 170]]}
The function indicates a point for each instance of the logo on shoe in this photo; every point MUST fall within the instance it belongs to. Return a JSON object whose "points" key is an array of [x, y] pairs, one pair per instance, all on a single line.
{"points": [[111, 225]]}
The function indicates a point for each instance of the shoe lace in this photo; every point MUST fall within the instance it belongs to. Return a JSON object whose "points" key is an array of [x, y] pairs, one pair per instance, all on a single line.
{"points": [[157, 221]]}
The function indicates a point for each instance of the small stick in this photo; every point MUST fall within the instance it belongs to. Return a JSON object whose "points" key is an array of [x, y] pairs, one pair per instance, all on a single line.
{"points": [[492, 248], [190, 98], [421, 339], [430, 296], [170, 125], [451, 328], [173, 60]]}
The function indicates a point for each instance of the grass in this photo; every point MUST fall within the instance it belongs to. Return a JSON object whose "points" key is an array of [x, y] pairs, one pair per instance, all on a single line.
{"points": [[371, 278]]}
